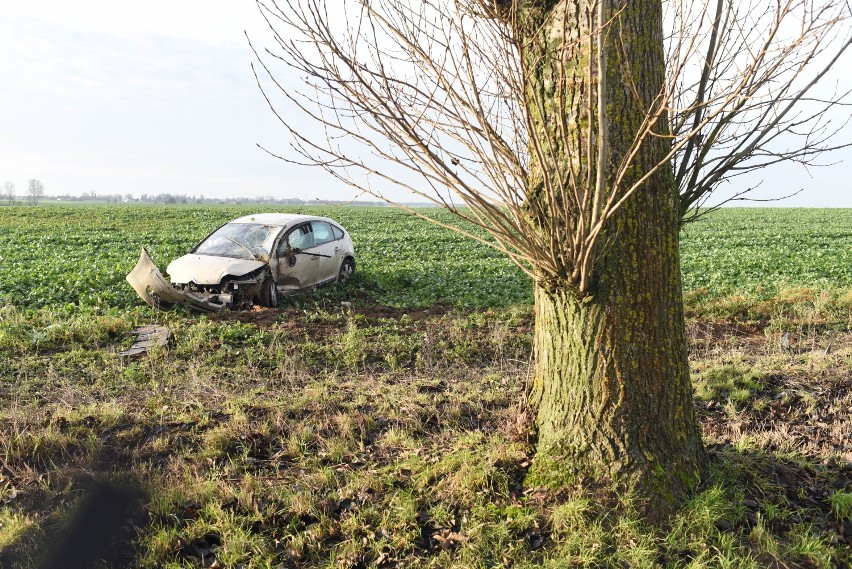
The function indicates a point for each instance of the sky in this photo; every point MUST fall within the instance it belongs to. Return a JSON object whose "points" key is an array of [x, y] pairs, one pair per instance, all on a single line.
{"points": [[142, 97], [159, 97]]}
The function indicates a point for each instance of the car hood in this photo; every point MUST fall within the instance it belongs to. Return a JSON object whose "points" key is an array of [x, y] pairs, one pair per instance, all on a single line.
{"points": [[207, 270]]}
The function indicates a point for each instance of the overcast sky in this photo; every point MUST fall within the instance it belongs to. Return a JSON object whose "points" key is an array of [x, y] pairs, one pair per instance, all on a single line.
{"points": [[158, 96]]}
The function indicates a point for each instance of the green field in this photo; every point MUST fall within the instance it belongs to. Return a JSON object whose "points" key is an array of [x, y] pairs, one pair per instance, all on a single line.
{"points": [[391, 434], [78, 255], [759, 251]]}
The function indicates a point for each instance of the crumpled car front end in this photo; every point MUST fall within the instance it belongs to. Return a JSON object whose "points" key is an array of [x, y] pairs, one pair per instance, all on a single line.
{"points": [[222, 291]]}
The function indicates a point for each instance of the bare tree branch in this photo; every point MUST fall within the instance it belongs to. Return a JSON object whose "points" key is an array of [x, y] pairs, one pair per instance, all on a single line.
{"points": [[436, 97], [773, 62]]}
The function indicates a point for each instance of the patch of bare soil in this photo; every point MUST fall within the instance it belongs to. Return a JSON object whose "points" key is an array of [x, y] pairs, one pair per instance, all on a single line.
{"points": [[262, 317], [802, 402], [715, 330], [798, 415]]}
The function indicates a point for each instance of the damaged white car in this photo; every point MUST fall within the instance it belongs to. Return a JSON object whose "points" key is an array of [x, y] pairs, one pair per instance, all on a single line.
{"points": [[251, 260]]}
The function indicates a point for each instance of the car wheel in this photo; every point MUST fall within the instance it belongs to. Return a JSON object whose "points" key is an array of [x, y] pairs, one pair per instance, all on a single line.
{"points": [[347, 269], [268, 293]]}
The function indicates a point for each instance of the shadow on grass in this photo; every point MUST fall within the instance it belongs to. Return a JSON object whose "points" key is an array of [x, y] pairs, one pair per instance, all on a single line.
{"points": [[89, 522], [771, 509], [785, 498]]}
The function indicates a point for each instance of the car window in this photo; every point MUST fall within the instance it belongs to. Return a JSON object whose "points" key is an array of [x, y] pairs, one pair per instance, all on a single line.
{"points": [[322, 232], [299, 238], [338, 233], [239, 240]]}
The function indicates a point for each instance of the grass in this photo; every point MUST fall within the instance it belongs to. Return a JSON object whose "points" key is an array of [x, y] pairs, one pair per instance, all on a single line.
{"points": [[841, 505], [728, 381], [388, 435], [736, 261], [318, 438]]}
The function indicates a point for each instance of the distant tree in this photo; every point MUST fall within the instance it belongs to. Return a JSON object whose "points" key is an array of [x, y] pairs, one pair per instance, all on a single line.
{"points": [[9, 192], [35, 191]]}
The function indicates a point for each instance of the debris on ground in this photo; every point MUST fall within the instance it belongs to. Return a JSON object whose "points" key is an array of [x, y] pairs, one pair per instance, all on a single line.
{"points": [[146, 338]]}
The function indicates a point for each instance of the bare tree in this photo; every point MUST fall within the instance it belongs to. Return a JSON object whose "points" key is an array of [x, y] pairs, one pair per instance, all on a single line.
{"points": [[9, 192], [577, 136], [750, 90], [35, 191]]}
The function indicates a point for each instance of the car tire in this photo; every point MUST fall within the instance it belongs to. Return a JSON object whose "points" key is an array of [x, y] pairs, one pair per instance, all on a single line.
{"points": [[347, 269], [268, 293]]}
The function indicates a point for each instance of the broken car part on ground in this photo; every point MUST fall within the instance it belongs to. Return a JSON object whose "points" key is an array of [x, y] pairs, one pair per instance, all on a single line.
{"points": [[145, 338], [251, 260]]}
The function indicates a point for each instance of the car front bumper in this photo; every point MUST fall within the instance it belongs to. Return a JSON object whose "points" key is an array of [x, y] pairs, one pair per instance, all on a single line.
{"points": [[149, 283]]}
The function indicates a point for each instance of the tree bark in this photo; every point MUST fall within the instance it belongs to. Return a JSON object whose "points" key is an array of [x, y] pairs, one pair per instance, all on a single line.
{"points": [[611, 388], [611, 391]]}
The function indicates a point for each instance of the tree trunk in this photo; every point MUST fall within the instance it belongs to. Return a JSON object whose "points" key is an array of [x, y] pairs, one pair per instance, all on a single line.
{"points": [[611, 388]]}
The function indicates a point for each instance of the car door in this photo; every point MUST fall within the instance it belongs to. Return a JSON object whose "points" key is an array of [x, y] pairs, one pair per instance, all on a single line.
{"points": [[296, 268], [325, 245]]}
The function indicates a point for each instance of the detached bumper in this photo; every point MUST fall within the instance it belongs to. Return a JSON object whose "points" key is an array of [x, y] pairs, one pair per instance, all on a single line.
{"points": [[149, 283]]}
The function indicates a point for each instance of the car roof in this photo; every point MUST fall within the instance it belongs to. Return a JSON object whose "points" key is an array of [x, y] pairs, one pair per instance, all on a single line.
{"points": [[281, 219]]}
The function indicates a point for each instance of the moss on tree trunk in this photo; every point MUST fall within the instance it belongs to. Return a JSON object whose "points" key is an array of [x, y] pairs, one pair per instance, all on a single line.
{"points": [[611, 389]]}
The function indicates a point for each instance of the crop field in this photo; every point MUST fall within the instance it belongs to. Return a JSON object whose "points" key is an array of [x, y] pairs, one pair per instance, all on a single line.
{"points": [[758, 251], [78, 255], [389, 432]]}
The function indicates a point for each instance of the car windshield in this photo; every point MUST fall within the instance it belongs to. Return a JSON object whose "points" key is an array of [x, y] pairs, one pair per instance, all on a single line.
{"points": [[240, 241]]}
